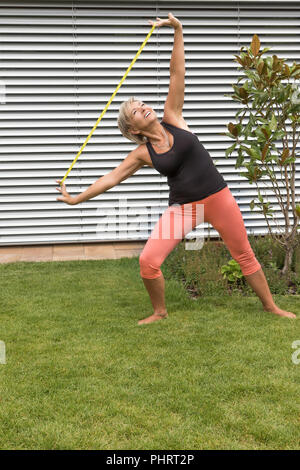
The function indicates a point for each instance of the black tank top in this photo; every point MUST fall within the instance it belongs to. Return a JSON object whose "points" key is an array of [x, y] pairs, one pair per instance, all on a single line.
{"points": [[192, 174]]}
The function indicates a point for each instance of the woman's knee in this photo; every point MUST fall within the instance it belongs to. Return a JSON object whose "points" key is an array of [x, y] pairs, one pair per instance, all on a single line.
{"points": [[149, 268], [247, 261]]}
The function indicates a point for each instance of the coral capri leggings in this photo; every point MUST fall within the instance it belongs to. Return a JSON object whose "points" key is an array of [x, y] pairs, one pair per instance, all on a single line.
{"points": [[220, 210]]}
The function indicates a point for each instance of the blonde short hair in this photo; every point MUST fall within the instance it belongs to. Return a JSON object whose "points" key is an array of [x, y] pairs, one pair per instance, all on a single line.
{"points": [[124, 122]]}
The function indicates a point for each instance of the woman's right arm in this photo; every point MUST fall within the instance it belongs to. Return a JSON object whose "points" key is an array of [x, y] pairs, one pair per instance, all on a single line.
{"points": [[128, 167], [103, 184]]}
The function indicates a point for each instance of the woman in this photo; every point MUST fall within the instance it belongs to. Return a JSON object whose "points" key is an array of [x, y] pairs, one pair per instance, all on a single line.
{"points": [[171, 148]]}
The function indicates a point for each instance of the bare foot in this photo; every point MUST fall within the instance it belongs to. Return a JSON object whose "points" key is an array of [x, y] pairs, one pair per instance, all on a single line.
{"points": [[152, 318], [282, 313]]}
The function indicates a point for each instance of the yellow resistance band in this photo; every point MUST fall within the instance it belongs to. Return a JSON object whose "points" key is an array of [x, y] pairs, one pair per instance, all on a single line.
{"points": [[112, 97]]}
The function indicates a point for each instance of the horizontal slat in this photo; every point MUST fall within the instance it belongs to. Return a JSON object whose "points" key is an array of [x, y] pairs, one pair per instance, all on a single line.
{"points": [[132, 4], [197, 41]]}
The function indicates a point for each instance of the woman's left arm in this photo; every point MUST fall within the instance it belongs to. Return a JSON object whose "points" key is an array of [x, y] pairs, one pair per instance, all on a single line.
{"points": [[177, 62], [175, 99]]}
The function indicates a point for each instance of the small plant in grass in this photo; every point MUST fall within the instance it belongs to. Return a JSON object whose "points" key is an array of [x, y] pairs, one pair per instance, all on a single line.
{"points": [[232, 273], [273, 265]]}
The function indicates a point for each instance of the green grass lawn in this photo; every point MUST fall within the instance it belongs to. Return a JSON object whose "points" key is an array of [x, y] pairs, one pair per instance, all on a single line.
{"points": [[81, 374]]}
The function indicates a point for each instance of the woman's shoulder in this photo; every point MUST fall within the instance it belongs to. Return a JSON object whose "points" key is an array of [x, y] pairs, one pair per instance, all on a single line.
{"points": [[176, 121]]}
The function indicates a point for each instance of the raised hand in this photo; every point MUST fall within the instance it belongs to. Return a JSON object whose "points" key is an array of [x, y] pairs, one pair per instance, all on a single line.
{"points": [[66, 197], [171, 21]]}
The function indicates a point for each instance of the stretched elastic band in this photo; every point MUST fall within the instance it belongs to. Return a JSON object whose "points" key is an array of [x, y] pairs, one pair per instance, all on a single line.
{"points": [[107, 105]]}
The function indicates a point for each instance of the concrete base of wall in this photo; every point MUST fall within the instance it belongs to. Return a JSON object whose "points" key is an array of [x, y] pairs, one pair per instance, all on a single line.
{"points": [[75, 251], [68, 252]]}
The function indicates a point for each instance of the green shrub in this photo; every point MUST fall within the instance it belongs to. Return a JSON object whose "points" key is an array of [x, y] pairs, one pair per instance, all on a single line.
{"points": [[232, 271], [212, 271]]}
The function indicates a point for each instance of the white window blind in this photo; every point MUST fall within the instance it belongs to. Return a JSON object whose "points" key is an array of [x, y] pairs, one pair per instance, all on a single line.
{"points": [[60, 62]]}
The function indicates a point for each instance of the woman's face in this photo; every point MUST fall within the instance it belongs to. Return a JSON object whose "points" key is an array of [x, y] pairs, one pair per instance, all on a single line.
{"points": [[140, 117]]}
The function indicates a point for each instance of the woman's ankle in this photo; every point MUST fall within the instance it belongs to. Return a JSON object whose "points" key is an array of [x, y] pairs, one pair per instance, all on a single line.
{"points": [[160, 313], [269, 306]]}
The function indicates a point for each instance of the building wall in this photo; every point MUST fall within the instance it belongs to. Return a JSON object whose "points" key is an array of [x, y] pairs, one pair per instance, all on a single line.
{"points": [[60, 64]]}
